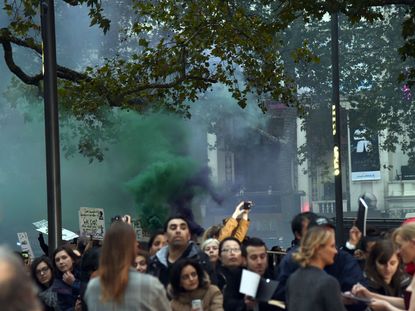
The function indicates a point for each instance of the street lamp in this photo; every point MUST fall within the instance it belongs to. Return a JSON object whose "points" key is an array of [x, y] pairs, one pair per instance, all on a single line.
{"points": [[53, 181]]}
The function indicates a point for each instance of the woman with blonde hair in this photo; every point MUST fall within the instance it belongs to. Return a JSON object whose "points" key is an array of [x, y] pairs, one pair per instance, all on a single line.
{"points": [[118, 285], [310, 288]]}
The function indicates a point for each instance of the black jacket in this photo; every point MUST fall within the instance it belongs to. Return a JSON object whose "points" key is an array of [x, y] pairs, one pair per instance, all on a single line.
{"points": [[160, 266]]}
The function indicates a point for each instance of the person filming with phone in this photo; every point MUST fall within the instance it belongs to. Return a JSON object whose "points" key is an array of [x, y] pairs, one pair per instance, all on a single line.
{"points": [[235, 226]]}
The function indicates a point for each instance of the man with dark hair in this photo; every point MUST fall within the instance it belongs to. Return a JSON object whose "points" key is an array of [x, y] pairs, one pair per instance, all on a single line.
{"points": [[17, 290], [299, 224], [345, 268], [254, 252], [179, 245]]}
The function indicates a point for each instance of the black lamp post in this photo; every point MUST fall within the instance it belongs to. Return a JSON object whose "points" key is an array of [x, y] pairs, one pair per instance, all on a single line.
{"points": [[51, 125], [335, 113]]}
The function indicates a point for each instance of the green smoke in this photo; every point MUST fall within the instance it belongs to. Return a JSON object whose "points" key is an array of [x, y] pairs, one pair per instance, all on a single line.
{"points": [[158, 185]]}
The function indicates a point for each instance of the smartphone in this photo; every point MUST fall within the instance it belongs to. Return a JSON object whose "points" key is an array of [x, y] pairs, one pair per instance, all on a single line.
{"points": [[197, 305]]}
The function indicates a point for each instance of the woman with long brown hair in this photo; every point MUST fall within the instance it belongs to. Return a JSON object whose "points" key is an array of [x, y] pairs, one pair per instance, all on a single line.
{"points": [[118, 285]]}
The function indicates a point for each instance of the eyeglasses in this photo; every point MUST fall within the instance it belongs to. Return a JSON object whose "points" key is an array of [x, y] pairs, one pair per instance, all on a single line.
{"points": [[233, 250], [186, 277], [42, 271]]}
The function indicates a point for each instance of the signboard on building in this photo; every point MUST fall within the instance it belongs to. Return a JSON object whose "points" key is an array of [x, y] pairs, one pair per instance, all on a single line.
{"points": [[364, 153]]}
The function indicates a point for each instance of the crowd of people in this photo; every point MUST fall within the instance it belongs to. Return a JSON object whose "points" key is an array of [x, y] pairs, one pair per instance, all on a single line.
{"points": [[176, 271]]}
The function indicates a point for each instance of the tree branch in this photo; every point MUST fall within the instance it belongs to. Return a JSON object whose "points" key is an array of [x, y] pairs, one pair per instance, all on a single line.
{"points": [[6, 39], [8, 57]]}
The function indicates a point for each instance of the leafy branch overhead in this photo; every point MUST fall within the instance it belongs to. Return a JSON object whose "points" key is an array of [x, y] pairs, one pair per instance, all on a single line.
{"points": [[170, 52], [182, 48]]}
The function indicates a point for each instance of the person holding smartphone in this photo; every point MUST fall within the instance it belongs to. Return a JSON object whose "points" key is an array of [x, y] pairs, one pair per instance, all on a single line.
{"points": [[235, 226]]}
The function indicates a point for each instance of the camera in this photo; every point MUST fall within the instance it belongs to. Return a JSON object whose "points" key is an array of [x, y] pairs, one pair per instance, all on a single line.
{"points": [[247, 205], [116, 218], [125, 218]]}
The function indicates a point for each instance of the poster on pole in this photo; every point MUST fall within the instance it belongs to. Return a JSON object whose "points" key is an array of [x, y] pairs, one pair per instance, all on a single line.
{"points": [[364, 151], [92, 222], [42, 226], [25, 244]]}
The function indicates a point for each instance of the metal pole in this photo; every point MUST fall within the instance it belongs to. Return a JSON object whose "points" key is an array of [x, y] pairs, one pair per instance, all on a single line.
{"points": [[47, 9], [335, 110]]}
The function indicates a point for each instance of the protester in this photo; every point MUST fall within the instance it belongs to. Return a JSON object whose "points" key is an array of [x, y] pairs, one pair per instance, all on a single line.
{"points": [[211, 248], [67, 277], [309, 287], [383, 271], [178, 246], [89, 266], [141, 261], [189, 283], [235, 226], [385, 277], [43, 275], [156, 242], [17, 290], [404, 239], [345, 267], [118, 286], [229, 273], [254, 252]]}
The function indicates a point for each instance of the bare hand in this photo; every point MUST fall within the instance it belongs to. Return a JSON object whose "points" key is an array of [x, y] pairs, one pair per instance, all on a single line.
{"points": [[361, 291], [68, 278], [250, 302], [238, 210], [379, 305]]}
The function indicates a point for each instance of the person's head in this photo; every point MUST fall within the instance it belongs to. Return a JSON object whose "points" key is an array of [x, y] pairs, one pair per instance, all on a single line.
{"points": [[186, 275], [177, 232], [156, 242], [141, 261], [211, 248], [254, 250], [117, 257], [17, 290], [382, 264], [42, 271], [64, 259], [300, 223], [212, 232], [404, 239], [89, 263], [230, 252], [318, 246]]}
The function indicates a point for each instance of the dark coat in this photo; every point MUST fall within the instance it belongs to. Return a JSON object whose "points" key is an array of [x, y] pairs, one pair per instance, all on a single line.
{"points": [[160, 266]]}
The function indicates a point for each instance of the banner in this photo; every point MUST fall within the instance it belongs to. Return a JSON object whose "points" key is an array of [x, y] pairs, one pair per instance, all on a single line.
{"points": [[364, 153]]}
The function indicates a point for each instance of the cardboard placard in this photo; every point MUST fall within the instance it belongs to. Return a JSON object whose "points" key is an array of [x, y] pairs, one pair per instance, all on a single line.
{"points": [[92, 222], [42, 226]]}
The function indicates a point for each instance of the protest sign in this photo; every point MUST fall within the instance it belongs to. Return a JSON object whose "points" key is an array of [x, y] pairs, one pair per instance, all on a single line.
{"points": [[92, 222], [42, 226]]}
